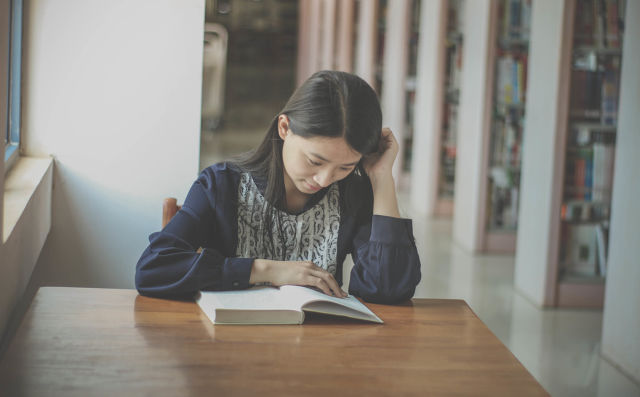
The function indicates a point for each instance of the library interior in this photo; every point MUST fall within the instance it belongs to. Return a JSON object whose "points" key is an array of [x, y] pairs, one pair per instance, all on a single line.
{"points": [[517, 122]]}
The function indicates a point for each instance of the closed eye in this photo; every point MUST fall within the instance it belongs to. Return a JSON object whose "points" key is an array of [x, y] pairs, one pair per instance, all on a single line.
{"points": [[315, 163]]}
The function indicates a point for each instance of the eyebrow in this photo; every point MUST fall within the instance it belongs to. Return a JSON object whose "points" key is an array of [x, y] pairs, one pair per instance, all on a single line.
{"points": [[323, 159]]}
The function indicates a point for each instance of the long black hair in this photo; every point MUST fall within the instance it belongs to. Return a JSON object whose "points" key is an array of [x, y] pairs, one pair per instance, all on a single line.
{"points": [[328, 104]]}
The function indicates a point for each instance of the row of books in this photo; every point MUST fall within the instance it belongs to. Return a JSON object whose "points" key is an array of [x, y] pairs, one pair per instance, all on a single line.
{"points": [[453, 72], [453, 62], [511, 77], [590, 172], [516, 19], [584, 211], [506, 143], [448, 149], [599, 23], [596, 94]]}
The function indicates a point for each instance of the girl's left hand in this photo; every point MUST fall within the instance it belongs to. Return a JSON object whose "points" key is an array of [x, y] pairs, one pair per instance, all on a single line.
{"points": [[379, 164]]}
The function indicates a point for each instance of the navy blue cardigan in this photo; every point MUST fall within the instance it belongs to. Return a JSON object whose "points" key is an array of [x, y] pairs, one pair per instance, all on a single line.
{"points": [[386, 264]]}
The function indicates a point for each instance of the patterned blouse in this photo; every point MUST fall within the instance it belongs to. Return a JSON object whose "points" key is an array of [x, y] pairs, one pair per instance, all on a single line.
{"points": [[227, 215]]}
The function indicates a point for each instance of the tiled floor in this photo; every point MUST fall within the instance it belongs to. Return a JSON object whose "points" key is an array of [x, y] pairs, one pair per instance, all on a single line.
{"points": [[559, 347]]}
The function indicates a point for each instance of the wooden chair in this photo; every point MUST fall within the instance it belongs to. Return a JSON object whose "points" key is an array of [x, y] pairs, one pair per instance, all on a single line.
{"points": [[169, 208]]}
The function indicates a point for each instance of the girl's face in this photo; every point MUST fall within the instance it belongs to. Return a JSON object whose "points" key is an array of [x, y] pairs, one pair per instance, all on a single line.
{"points": [[311, 164]]}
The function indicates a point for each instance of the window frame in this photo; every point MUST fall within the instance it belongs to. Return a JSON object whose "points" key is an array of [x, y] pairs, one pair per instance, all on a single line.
{"points": [[14, 98]]}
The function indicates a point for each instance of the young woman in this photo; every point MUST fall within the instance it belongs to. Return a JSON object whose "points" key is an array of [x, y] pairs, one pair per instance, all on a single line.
{"points": [[317, 188]]}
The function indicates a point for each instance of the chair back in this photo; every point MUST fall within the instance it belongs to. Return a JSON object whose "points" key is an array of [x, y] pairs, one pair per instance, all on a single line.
{"points": [[169, 208]]}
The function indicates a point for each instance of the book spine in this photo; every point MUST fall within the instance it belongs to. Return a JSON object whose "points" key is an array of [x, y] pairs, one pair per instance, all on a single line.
{"points": [[609, 97], [514, 19], [601, 243], [598, 170], [613, 38], [588, 178], [608, 161]]}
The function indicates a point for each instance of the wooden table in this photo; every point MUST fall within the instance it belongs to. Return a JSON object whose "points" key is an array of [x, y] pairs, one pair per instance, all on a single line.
{"points": [[80, 342]]}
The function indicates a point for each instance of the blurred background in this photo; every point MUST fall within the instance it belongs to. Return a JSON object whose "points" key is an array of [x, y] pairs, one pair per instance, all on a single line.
{"points": [[243, 95], [517, 119]]}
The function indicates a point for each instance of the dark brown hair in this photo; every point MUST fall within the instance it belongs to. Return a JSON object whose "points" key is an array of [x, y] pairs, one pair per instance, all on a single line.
{"points": [[328, 104]]}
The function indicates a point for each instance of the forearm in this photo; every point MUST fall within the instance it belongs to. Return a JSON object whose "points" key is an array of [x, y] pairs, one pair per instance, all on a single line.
{"points": [[385, 201], [260, 271]]}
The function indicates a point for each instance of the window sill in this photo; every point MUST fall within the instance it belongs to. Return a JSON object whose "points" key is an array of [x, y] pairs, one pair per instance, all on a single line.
{"points": [[28, 188], [20, 186]]}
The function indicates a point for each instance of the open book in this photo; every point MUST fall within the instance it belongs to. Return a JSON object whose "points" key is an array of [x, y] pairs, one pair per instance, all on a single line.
{"points": [[283, 305]]}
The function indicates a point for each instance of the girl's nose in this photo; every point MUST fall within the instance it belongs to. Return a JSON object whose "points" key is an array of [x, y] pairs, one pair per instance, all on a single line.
{"points": [[323, 178]]}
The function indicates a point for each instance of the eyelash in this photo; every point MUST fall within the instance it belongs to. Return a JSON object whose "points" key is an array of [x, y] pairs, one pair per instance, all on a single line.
{"points": [[316, 164]]}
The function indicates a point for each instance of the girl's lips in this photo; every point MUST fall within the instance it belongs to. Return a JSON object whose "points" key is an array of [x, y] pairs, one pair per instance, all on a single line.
{"points": [[313, 187]]}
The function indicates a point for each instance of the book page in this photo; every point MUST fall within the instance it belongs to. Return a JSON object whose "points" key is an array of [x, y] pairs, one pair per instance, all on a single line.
{"points": [[333, 305]]}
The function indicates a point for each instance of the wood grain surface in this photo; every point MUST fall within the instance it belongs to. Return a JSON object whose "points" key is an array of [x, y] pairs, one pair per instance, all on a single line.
{"points": [[83, 342]]}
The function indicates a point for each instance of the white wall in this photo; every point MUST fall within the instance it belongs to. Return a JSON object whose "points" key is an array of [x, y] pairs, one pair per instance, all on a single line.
{"points": [[471, 158], [537, 217], [112, 90], [395, 64], [621, 320], [428, 107]]}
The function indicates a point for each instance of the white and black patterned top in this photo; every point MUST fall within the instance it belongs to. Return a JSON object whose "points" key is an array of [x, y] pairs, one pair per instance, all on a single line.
{"points": [[309, 236]]}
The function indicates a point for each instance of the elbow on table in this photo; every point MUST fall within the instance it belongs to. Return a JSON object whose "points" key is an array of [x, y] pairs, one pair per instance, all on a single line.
{"points": [[389, 297], [386, 293]]}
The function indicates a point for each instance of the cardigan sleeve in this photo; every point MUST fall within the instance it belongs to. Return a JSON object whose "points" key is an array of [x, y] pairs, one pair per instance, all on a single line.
{"points": [[386, 263], [171, 265]]}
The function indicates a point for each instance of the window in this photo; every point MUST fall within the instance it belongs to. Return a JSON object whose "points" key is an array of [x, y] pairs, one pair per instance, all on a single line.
{"points": [[12, 138]]}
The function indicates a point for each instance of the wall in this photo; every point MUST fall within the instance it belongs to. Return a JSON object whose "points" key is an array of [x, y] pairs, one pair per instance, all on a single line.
{"points": [[621, 319], [471, 139], [429, 94], [112, 91], [535, 256]]}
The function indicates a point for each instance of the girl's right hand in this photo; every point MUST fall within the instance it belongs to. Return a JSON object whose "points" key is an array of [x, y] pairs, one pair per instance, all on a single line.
{"points": [[303, 273]]}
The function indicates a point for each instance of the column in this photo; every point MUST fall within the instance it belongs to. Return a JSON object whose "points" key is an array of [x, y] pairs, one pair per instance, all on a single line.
{"points": [[621, 322], [473, 125], [428, 107], [543, 150], [395, 65], [344, 51], [328, 35], [367, 41]]}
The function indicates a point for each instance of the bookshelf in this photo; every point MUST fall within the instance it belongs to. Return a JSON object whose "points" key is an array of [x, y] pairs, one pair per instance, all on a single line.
{"points": [[451, 100], [507, 123], [491, 124], [589, 151], [568, 169]]}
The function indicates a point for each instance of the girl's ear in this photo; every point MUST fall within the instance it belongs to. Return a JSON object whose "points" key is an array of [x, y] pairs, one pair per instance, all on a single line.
{"points": [[283, 126]]}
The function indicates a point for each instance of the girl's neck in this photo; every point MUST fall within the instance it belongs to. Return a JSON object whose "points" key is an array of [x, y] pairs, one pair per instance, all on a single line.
{"points": [[295, 199]]}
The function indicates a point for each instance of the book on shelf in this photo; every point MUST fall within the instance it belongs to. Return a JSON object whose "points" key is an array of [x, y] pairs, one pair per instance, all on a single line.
{"points": [[601, 245], [590, 165], [603, 162], [516, 17], [598, 23], [609, 97], [511, 79], [283, 305]]}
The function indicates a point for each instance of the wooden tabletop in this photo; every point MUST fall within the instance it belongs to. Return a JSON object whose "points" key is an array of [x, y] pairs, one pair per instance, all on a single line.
{"points": [[87, 341]]}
